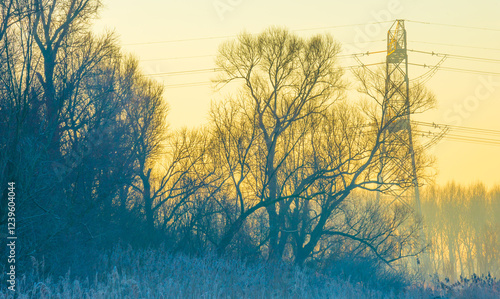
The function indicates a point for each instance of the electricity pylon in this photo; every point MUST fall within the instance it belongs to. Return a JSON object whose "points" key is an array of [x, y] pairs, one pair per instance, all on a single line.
{"points": [[396, 105], [396, 117]]}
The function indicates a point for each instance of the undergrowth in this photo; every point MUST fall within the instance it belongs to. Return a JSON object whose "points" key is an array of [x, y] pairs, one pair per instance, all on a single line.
{"points": [[128, 273]]}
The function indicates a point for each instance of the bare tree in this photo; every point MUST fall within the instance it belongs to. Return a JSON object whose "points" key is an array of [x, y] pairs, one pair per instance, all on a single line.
{"points": [[17, 88], [60, 107], [145, 112], [287, 80], [291, 145], [7, 11], [56, 26], [166, 163]]}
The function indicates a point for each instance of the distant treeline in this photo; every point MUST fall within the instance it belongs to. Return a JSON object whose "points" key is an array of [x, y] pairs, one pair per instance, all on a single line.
{"points": [[462, 223]]}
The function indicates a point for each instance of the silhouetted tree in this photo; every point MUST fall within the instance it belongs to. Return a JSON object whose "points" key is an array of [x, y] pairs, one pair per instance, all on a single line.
{"points": [[64, 138], [291, 145]]}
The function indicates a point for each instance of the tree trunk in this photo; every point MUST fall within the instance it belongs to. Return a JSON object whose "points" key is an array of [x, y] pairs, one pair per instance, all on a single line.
{"points": [[274, 225], [228, 236], [148, 203]]}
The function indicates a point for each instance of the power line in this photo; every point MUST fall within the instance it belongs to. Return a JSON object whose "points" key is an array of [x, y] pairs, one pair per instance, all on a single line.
{"points": [[192, 84], [180, 40], [210, 70], [474, 138], [361, 54], [469, 71], [454, 127], [458, 137], [342, 26], [471, 140], [457, 56], [182, 57], [213, 55], [453, 25], [187, 72], [232, 36], [363, 65], [458, 69], [461, 138], [454, 45]]}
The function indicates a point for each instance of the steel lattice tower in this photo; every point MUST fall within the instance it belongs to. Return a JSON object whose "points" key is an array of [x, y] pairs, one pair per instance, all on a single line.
{"points": [[396, 105], [396, 114]]}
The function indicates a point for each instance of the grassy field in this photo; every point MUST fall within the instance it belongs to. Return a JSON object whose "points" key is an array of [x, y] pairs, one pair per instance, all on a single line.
{"points": [[127, 273]]}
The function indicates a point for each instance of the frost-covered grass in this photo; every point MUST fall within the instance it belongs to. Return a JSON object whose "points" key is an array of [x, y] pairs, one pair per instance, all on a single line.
{"points": [[158, 274]]}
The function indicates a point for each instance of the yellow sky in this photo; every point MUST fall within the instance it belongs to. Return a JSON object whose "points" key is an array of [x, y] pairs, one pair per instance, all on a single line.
{"points": [[464, 98]]}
